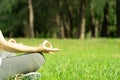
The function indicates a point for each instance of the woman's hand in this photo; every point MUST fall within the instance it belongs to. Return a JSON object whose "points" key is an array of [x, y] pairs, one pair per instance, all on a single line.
{"points": [[12, 46], [47, 47]]}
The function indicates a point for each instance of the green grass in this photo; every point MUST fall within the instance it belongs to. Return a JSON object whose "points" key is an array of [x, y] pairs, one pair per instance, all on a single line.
{"points": [[89, 59]]}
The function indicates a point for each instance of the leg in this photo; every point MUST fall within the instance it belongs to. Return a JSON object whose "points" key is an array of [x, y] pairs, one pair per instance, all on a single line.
{"points": [[20, 64], [5, 54]]}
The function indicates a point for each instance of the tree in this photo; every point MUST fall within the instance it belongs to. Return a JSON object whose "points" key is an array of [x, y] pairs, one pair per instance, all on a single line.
{"points": [[59, 19], [92, 23], [70, 17], [98, 17], [31, 18], [118, 17], [11, 20], [67, 17], [105, 23], [82, 20]]}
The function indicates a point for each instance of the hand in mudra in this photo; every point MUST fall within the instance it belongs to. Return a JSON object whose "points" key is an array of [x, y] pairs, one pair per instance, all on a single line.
{"points": [[47, 47], [12, 46]]}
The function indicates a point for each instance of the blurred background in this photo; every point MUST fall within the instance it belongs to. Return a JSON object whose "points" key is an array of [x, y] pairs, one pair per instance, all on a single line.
{"points": [[60, 18]]}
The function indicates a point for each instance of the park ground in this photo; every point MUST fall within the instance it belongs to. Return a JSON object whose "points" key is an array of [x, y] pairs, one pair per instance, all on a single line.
{"points": [[88, 59]]}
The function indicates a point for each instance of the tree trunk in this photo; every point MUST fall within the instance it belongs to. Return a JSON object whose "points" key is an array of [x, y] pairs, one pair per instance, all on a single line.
{"points": [[70, 17], [31, 18], [105, 23], [118, 17], [92, 23], [82, 20], [59, 20], [61, 32], [26, 29]]}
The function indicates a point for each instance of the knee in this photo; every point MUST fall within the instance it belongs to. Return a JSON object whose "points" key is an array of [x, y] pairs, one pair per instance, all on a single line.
{"points": [[38, 59]]}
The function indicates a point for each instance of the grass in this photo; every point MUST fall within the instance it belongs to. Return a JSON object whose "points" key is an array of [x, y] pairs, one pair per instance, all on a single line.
{"points": [[89, 59]]}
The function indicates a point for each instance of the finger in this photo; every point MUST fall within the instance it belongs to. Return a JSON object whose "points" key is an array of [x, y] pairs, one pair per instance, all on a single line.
{"points": [[56, 49], [47, 44], [12, 40], [53, 49]]}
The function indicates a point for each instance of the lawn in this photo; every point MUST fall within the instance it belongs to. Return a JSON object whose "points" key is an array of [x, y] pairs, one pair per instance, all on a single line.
{"points": [[89, 59]]}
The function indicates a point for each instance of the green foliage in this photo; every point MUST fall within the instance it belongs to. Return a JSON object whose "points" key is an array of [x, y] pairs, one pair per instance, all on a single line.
{"points": [[45, 18], [112, 19], [15, 12], [98, 6], [11, 12]]}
